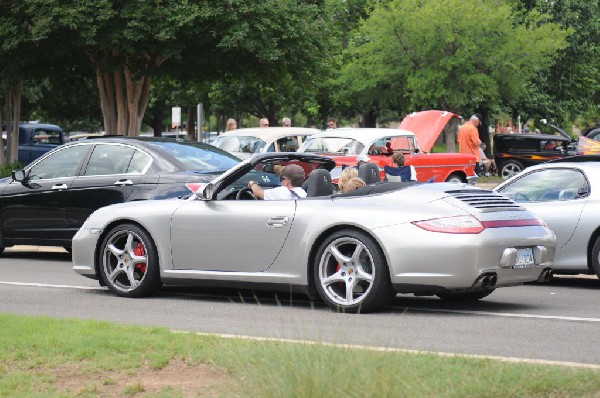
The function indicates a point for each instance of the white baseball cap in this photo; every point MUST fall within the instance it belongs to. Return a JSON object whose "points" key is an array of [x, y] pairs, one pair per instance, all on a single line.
{"points": [[363, 158]]}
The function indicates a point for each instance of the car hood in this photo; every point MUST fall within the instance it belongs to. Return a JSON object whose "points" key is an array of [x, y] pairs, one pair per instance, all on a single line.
{"points": [[427, 126], [587, 146]]}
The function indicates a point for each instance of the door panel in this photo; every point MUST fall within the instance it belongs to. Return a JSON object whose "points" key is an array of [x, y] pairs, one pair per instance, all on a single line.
{"points": [[230, 235]]}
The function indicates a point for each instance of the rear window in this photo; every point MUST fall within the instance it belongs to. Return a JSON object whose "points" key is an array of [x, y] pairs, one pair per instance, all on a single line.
{"points": [[197, 157]]}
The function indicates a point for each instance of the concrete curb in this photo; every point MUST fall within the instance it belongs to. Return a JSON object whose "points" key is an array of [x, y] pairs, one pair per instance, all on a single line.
{"points": [[28, 248]]}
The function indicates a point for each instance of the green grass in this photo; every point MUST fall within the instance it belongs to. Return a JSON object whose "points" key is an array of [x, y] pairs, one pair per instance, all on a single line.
{"points": [[43, 357]]}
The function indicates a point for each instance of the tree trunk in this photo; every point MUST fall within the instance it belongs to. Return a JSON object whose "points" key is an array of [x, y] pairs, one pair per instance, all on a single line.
{"points": [[190, 126], [12, 110], [450, 133], [1, 151], [370, 119]]}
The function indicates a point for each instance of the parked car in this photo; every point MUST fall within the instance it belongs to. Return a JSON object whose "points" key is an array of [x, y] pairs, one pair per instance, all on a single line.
{"points": [[356, 250], [245, 142], [47, 202], [345, 144], [565, 193], [515, 152], [35, 139]]}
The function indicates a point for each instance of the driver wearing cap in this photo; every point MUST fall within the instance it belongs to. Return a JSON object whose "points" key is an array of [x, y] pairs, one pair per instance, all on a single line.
{"points": [[292, 177]]}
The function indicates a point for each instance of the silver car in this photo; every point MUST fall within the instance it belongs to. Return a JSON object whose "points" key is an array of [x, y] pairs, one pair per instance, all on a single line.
{"points": [[355, 250], [565, 193]]}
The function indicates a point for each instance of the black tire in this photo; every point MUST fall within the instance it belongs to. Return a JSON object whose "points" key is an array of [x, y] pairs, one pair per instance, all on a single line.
{"points": [[596, 257], [510, 168], [350, 258], [129, 261], [455, 177], [465, 297]]}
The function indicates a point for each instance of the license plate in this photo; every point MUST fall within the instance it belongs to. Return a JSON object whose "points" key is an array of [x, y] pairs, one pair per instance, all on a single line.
{"points": [[524, 258]]}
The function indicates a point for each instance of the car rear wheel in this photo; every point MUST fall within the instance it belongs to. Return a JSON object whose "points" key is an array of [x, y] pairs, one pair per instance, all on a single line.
{"points": [[471, 296], [129, 261], [510, 168], [351, 273], [596, 257], [454, 178]]}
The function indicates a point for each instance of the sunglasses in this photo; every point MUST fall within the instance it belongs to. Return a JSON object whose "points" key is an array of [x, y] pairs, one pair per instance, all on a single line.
{"points": [[282, 178]]}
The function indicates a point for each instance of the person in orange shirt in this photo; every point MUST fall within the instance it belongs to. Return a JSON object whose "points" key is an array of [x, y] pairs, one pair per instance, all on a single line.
{"points": [[468, 138]]}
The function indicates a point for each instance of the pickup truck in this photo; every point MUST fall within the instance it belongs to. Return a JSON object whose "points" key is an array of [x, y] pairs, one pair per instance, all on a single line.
{"points": [[36, 139]]}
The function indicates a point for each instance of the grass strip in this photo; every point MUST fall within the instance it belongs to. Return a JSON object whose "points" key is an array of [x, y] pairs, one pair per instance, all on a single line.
{"points": [[44, 357]]}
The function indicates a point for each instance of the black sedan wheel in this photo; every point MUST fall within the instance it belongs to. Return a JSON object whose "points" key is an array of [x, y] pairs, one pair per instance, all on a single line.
{"points": [[596, 257], [129, 261], [351, 273]]}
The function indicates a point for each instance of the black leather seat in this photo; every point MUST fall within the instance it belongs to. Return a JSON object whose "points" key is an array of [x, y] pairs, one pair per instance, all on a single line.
{"points": [[318, 184], [369, 172]]}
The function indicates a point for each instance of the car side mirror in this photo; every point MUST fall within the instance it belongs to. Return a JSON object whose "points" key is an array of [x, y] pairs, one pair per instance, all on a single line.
{"points": [[206, 192], [583, 191], [18, 175]]}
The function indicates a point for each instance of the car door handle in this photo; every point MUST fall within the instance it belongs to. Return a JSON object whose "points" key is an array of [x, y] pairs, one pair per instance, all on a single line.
{"points": [[123, 182], [59, 187], [277, 222]]}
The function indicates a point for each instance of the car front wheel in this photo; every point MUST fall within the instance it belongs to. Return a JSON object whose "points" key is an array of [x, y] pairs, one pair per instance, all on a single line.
{"points": [[510, 168], [129, 261], [351, 273], [596, 257], [455, 178]]}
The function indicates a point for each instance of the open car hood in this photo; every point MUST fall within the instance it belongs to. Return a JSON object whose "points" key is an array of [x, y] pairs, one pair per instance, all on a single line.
{"points": [[427, 126]]}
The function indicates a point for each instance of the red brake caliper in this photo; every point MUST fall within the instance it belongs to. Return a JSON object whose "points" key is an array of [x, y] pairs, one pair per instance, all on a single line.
{"points": [[139, 251]]}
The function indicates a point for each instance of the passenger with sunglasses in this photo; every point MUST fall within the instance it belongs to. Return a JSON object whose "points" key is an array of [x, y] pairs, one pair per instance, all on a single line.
{"points": [[292, 177]]}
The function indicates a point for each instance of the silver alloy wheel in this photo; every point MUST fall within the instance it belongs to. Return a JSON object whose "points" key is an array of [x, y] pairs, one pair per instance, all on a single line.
{"points": [[510, 169], [125, 260], [346, 271]]}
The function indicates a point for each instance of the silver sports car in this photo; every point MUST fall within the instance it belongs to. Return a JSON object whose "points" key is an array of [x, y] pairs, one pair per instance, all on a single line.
{"points": [[565, 193], [355, 250]]}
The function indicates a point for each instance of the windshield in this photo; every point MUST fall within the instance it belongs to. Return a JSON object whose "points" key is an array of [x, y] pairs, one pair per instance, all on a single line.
{"points": [[198, 157], [236, 143], [333, 145]]}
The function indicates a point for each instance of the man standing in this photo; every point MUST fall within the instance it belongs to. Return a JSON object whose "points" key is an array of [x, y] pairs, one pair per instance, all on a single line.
{"points": [[264, 122], [286, 122], [468, 138]]}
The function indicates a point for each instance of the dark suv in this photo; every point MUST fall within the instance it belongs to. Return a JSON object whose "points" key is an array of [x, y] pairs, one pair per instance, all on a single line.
{"points": [[514, 152]]}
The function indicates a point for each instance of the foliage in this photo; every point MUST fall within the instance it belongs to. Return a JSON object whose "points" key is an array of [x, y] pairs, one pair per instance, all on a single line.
{"points": [[570, 87], [453, 54]]}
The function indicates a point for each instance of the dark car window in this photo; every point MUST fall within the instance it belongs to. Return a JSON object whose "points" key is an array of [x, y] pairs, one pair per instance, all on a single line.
{"points": [[109, 159], [62, 163], [139, 163], [46, 137], [202, 158], [546, 185]]}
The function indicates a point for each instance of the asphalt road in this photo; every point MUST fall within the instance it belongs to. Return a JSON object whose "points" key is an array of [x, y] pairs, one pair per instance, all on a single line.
{"points": [[559, 321]]}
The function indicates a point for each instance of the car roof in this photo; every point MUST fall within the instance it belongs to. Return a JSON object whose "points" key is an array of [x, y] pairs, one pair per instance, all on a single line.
{"points": [[39, 126], [363, 135], [541, 137], [270, 133]]}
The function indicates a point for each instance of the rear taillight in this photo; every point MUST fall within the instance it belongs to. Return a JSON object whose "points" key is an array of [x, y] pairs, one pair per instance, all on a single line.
{"points": [[471, 225], [194, 186], [452, 225]]}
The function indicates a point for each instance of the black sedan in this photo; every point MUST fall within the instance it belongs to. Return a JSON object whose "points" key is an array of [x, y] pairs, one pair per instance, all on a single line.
{"points": [[47, 202]]}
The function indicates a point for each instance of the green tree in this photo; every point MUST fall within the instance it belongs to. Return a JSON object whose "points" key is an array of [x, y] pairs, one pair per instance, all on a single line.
{"points": [[455, 55], [570, 87]]}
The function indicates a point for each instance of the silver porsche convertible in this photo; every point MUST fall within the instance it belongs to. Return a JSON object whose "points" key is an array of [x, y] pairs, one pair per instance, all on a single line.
{"points": [[355, 250]]}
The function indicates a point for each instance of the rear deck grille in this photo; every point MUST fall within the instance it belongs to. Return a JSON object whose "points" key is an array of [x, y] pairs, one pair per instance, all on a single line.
{"points": [[483, 199]]}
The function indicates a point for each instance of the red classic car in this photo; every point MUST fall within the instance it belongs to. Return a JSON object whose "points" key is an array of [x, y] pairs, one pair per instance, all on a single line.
{"points": [[415, 137]]}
